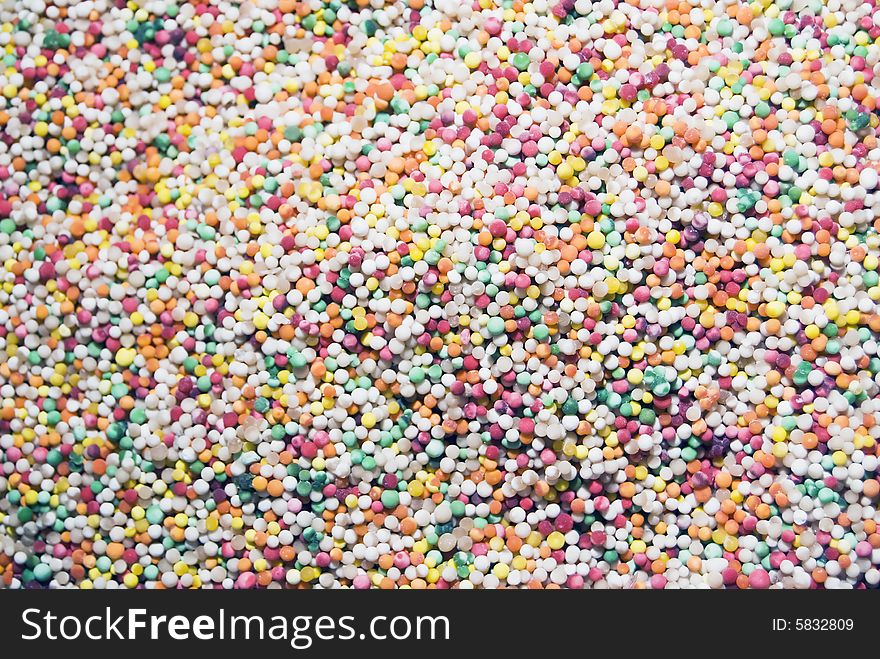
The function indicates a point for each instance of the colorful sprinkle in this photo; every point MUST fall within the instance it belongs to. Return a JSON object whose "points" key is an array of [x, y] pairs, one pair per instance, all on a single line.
{"points": [[439, 294]]}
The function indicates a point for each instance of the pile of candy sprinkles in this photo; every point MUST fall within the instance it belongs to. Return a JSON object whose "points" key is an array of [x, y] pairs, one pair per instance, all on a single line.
{"points": [[439, 294]]}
